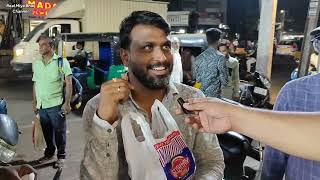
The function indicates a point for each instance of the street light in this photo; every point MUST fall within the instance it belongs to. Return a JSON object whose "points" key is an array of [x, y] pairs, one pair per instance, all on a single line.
{"points": [[282, 11]]}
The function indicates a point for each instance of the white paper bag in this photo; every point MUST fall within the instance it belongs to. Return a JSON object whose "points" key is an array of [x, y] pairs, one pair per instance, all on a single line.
{"points": [[38, 140], [165, 158]]}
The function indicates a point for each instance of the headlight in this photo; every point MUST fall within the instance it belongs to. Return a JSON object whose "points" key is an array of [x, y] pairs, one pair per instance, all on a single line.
{"points": [[7, 152], [19, 52]]}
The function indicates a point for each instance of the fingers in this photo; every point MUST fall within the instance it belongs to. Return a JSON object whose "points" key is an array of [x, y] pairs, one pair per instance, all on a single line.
{"points": [[179, 111], [116, 90], [115, 84], [197, 100], [122, 95], [194, 121], [195, 106]]}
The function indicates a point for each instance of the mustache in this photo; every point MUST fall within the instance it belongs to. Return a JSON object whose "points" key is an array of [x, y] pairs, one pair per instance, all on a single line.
{"points": [[154, 65]]}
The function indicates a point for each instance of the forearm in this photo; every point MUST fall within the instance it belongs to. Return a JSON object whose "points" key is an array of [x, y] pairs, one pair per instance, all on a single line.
{"points": [[34, 97], [288, 132], [68, 90]]}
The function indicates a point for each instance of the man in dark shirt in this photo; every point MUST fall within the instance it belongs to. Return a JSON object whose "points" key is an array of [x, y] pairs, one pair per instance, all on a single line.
{"points": [[210, 66]]}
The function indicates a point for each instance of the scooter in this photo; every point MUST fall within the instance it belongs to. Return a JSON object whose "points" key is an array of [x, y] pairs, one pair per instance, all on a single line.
{"points": [[256, 92], [9, 135], [236, 147]]}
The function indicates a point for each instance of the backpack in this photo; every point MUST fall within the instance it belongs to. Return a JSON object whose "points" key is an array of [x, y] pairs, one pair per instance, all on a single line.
{"points": [[76, 98]]}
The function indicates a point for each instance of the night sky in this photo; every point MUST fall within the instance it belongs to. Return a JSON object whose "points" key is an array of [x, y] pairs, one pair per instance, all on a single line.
{"points": [[243, 15]]}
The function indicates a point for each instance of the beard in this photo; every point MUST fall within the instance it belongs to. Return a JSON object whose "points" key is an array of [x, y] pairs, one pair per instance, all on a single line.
{"points": [[149, 81]]}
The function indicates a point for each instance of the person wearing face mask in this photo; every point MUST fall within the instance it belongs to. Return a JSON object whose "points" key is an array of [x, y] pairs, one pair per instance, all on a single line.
{"points": [[177, 72], [231, 90]]}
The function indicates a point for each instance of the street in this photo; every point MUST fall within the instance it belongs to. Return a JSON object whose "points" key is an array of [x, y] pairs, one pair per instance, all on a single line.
{"points": [[19, 96]]}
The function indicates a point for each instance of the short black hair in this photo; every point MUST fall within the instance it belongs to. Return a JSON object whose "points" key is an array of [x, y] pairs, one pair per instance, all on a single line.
{"points": [[137, 18], [44, 36], [213, 35], [81, 43]]}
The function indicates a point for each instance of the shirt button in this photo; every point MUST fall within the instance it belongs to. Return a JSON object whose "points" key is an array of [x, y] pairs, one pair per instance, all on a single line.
{"points": [[109, 130], [108, 154]]}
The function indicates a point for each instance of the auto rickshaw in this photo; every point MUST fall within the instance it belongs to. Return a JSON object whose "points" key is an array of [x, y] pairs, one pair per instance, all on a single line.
{"points": [[191, 45], [100, 61]]}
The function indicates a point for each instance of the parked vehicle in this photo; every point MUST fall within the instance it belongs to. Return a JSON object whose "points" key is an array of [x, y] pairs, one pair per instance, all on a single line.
{"points": [[100, 63], [290, 47], [191, 45], [9, 136], [256, 92], [75, 16], [235, 146]]}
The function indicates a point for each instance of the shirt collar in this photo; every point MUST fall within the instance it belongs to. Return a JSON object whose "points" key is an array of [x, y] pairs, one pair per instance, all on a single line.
{"points": [[171, 92], [53, 58]]}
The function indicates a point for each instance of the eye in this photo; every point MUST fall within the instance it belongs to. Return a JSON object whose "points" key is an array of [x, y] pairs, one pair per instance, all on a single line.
{"points": [[166, 47], [148, 47]]}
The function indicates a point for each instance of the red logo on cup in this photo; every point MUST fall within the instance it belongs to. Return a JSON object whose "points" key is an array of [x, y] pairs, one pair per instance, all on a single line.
{"points": [[180, 167]]}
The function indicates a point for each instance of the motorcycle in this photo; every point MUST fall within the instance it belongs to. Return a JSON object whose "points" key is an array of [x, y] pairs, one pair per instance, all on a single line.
{"points": [[236, 147], [9, 135], [256, 92]]}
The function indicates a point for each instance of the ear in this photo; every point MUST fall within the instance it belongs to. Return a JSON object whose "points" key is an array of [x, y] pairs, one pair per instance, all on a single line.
{"points": [[124, 54]]}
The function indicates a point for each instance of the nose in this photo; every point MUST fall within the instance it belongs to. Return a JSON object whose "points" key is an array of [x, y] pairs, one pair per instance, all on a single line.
{"points": [[159, 55]]}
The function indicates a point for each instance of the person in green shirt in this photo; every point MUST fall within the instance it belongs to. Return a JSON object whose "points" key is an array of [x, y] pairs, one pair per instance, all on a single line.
{"points": [[48, 100]]}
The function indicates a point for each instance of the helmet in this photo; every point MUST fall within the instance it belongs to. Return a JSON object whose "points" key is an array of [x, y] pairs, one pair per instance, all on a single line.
{"points": [[8, 138], [316, 39]]}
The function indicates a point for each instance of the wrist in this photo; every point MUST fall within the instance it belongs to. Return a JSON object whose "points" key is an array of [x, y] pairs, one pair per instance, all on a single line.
{"points": [[104, 115], [236, 117], [66, 103]]}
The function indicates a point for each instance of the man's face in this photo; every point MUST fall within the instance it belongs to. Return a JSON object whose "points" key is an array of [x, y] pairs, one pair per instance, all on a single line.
{"points": [[79, 46], [175, 45], [44, 47], [149, 56], [224, 50]]}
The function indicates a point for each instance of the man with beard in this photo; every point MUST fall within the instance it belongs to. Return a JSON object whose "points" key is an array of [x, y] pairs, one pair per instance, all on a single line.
{"points": [[146, 51]]}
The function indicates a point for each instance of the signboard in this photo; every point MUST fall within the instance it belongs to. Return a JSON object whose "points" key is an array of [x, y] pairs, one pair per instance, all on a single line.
{"points": [[178, 18], [41, 8], [313, 7]]}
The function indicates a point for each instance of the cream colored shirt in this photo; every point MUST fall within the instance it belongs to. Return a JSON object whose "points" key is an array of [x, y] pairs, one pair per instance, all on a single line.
{"points": [[104, 156]]}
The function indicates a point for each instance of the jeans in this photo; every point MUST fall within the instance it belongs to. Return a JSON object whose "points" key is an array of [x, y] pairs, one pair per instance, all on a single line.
{"points": [[54, 131]]}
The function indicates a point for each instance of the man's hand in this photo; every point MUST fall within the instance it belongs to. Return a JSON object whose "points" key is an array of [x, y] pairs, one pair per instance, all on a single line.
{"points": [[66, 108], [213, 115], [34, 107], [112, 93]]}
